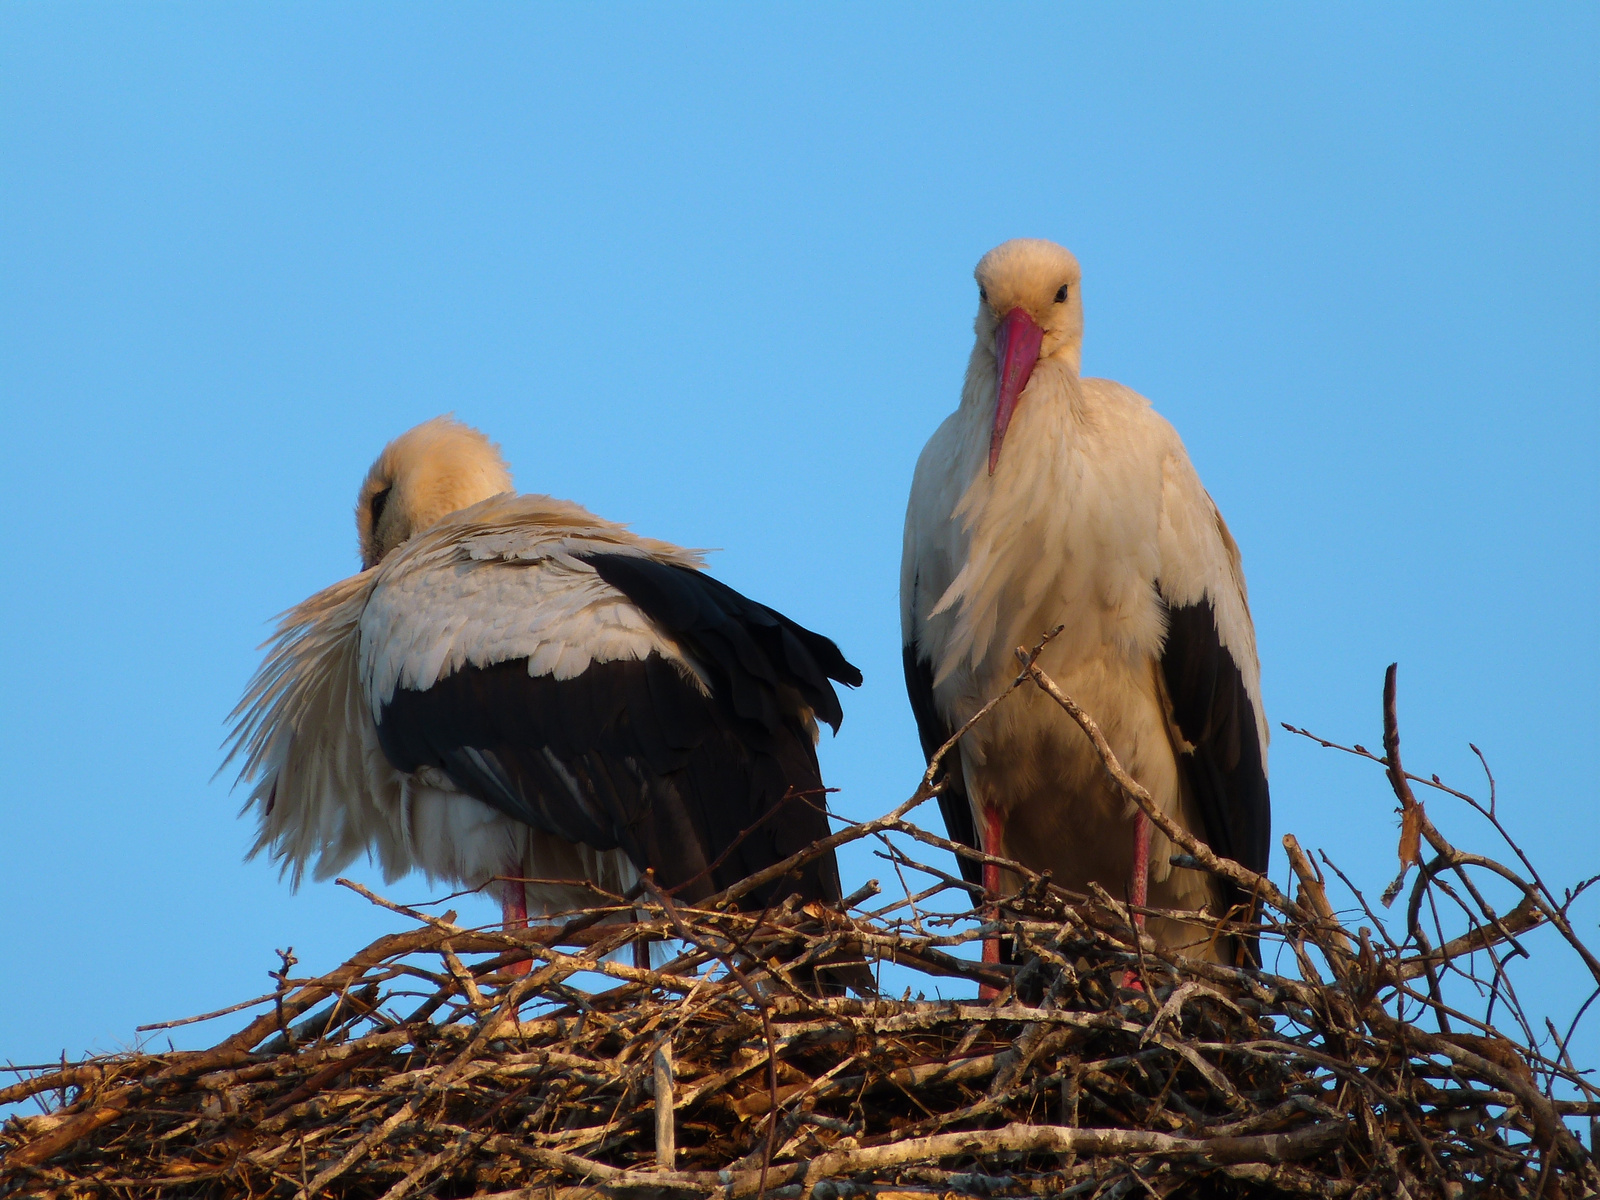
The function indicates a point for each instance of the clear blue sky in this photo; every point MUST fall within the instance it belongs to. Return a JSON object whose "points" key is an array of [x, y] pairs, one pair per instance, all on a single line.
{"points": [[710, 273]]}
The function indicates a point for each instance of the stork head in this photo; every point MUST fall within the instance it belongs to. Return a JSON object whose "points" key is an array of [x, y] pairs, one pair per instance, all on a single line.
{"points": [[425, 474], [1028, 310]]}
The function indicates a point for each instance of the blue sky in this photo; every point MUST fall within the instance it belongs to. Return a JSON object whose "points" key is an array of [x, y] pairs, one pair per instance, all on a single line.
{"points": [[710, 273]]}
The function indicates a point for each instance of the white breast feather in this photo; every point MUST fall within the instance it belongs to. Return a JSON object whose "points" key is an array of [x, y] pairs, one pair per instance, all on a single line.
{"points": [[1067, 534], [1099, 506]]}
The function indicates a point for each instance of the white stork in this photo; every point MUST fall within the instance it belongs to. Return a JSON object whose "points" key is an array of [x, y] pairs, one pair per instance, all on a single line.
{"points": [[514, 689], [1047, 499]]}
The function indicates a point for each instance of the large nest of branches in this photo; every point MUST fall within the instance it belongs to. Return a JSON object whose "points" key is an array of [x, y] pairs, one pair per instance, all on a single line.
{"points": [[436, 1063]]}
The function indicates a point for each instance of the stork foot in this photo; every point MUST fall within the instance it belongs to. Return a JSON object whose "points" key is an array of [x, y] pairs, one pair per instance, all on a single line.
{"points": [[1131, 982]]}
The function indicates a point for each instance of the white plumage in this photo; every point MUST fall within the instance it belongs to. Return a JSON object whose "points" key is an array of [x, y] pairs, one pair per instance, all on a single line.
{"points": [[1047, 499], [488, 700], [503, 579]]}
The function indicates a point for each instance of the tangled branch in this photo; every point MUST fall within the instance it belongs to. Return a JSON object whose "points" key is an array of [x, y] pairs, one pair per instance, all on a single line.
{"points": [[426, 1066]]}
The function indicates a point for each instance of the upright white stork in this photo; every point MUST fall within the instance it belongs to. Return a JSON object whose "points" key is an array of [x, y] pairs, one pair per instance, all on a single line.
{"points": [[514, 689], [1047, 499]]}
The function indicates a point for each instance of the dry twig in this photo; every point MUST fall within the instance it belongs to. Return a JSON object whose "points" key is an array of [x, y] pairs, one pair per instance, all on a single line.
{"points": [[718, 1074]]}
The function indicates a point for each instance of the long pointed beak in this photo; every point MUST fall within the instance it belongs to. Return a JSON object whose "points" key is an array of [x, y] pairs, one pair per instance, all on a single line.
{"points": [[1016, 350]]}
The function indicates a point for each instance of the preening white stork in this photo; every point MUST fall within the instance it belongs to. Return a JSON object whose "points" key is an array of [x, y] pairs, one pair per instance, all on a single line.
{"points": [[1047, 499], [515, 689]]}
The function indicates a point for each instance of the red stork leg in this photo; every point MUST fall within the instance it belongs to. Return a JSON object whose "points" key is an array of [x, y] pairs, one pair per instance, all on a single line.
{"points": [[1139, 884], [514, 912], [993, 833]]}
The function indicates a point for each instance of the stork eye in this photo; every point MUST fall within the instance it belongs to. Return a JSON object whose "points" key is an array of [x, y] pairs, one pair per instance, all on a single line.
{"points": [[379, 499], [983, 294], [1061, 294]]}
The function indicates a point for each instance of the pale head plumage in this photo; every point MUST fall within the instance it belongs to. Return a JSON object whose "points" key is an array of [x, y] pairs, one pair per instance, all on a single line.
{"points": [[424, 475], [1041, 278]]}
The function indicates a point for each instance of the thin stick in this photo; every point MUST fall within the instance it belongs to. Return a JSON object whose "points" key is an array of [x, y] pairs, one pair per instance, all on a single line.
{"points": [[666, 1121]]}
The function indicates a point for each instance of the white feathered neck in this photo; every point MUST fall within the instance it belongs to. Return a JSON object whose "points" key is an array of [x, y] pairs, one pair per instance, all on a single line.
{"points": [[1072, 510]]}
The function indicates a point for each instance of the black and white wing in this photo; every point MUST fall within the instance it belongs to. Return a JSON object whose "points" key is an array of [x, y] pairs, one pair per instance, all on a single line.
{"points": [[611, 696], [927, 567], [934, 731], [1213, 678]]}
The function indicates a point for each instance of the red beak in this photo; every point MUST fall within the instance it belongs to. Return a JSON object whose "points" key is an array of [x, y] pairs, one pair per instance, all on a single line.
{"points": [[1016, 350]]}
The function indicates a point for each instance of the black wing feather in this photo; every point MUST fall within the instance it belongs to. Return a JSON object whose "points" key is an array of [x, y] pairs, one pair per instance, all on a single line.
{"points": [[934, 731], [756, 651], [1226, 770], [633, 755]]}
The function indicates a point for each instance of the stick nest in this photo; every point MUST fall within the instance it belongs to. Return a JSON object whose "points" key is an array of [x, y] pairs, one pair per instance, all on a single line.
{"points": [[427, 1065]]}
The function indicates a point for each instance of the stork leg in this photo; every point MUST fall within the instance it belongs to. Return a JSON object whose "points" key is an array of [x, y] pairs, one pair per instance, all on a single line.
{"points": [[1139, 884], [993, 832], [514, 912]]}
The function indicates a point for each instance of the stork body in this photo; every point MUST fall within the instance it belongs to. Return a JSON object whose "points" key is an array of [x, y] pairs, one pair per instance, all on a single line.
{"points": [[517, 690], [1047, 499]]}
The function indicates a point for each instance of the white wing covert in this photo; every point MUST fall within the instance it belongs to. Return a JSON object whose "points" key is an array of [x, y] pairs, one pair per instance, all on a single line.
{"points": [[496, 583]]}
